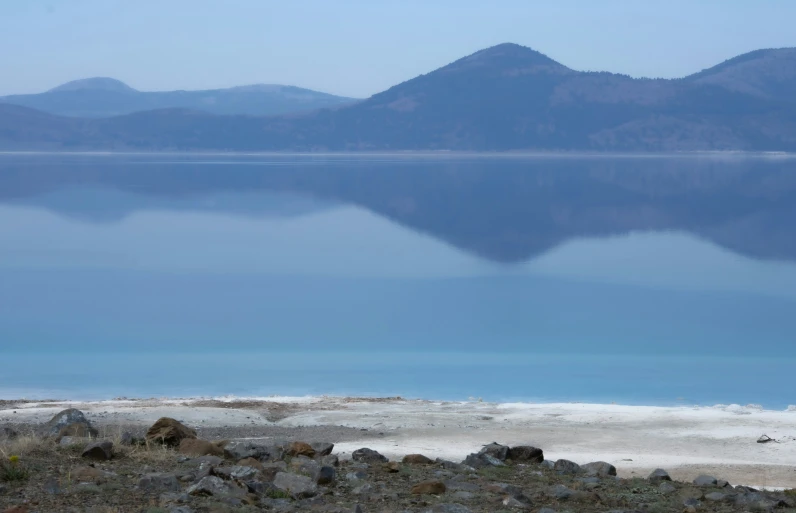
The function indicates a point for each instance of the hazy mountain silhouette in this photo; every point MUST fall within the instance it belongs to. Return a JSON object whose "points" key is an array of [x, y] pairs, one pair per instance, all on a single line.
{"points": [[505, 210], [105, 97], [507, 97]]}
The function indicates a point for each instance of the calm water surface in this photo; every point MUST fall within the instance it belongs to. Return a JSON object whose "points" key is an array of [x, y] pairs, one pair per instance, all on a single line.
{"points": [[652, 280]]}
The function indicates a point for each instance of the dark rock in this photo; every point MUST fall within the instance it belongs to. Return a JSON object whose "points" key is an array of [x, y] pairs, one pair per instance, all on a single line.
{"points": [[368, 456], [64, 418], [299, 487], [429, 488], [6, 433], [243, 473], [195, 447], [526, 454], [357, 509], [417, 459], [127, 438], [215, 486], [304, 465], [159, 483], [100, 451], [168, 431], [566, 467], [462, 485], [667, 488], [482, 460], [659, 475], [246, 449], [331, 460], [456, 467], [705, 480], [547, 464], [560, 492], [325, 475], [300, 449], [518, 502], [721, 483], [356, 476], [497, 451], [599, 468], [323, 448]]}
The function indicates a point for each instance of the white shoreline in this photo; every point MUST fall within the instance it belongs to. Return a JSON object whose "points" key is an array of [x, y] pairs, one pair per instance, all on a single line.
{"points": [[686, 440]]}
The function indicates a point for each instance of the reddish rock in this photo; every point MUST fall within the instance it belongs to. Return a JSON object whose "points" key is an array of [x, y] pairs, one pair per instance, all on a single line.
{"points": [[300, 449], [417, 459], [168, 431], [429, 488], [195, 447]]}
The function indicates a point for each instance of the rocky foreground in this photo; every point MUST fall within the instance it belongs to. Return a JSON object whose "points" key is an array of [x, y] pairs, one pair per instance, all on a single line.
{"points": [[67, 465]]}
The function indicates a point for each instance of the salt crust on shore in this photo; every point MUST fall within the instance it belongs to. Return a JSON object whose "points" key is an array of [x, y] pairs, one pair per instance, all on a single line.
{"points": [[685, 440]]}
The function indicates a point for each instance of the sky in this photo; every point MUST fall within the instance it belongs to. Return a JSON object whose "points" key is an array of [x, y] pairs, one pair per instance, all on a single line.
{"points": [[360, 47]]}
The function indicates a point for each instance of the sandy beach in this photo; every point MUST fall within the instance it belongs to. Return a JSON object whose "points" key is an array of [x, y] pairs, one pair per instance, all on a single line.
{"points": [[686, 441]]}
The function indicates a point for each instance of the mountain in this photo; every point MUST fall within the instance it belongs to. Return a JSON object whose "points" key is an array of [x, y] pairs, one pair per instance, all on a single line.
{"points": [[503, 98], [105, 97], [762, 73]]}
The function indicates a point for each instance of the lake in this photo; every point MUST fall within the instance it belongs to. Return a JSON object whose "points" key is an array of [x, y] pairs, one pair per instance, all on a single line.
{"points": [[633, 279]]}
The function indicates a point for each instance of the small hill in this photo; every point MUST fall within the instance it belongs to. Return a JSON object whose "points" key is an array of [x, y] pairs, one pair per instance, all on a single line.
{"points": [[94, 84], [107, 97]]}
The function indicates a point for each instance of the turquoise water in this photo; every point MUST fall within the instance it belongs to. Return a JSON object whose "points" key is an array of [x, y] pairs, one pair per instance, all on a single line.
{"points": [[665, 280]]}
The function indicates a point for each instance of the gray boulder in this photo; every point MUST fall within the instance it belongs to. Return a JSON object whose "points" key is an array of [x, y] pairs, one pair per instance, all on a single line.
{"points": [[65, 418], [497, 451], [560, 492], [216, 487], [566, 467], [518, 502], [356, 476], [100, 451], [331, 460], [599, 468], [368, 456], [239, 450], [547, 464], [479, 460], [526, 454], [705, 480], [159, 483], [243, 472], [322, 448], [299, 487], [659, 475], [325, 475]]}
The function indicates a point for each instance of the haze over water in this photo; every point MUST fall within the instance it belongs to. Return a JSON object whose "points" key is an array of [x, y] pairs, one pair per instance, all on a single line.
{"points": [[649, 280]]}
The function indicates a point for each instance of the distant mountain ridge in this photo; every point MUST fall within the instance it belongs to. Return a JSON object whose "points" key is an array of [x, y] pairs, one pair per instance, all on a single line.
{"points": [[504, 98], [100, 97]]}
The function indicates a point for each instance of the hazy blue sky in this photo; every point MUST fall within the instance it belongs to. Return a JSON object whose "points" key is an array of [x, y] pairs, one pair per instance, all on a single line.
{"points": [[359, 47]]}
